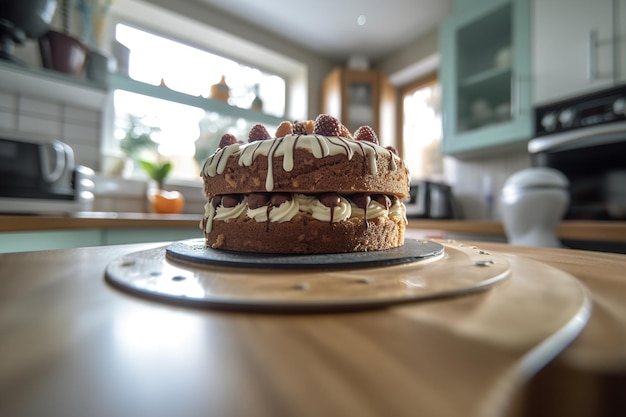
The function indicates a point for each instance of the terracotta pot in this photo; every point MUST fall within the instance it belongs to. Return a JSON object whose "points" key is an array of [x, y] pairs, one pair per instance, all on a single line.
{"points": [[62, 52], [166, 202]]}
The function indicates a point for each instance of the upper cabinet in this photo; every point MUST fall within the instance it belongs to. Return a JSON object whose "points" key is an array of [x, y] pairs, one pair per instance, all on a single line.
{"points": [[579, 46], [485, 76], [361, 97]]}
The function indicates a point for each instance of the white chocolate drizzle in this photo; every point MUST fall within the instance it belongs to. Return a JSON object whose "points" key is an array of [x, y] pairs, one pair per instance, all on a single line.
{"points": [[319, 146]]}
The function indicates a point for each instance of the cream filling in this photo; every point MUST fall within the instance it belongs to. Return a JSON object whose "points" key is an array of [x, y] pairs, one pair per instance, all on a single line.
{"points": [[283, 213], [305, 202], [301, 203], [319, 146], [397, 209], [230, 213], [322, 213], [374, 209]]}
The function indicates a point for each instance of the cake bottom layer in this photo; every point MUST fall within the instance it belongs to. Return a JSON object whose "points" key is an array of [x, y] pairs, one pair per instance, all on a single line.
{"points": [[306, 235]]}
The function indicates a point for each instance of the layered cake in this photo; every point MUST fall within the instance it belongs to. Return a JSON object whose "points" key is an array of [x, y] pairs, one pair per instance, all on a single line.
{"points": [[311, 188]]}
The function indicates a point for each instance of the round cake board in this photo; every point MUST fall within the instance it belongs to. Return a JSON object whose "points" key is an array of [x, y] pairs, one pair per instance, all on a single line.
{"points": [[316, 283], [196, 251]]}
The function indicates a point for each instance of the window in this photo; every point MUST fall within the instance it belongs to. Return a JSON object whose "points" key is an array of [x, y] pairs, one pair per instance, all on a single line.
{"points": [[181, 132], [422, 130]]}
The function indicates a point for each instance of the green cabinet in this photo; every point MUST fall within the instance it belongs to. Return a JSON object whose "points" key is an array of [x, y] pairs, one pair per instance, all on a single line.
{"points": [[485, 77], [48, 239]]}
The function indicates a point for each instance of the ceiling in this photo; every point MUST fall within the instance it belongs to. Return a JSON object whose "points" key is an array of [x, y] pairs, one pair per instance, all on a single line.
{"points": [[340, 29]]}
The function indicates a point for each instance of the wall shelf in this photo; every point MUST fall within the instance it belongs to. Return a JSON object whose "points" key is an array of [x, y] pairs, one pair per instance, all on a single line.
{"points": [[78, 91], [123, 82], [52, 85]]}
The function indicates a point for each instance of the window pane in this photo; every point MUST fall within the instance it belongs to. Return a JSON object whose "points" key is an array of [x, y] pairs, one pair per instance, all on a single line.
{"points": [[183, 68], [175, 128], [183, 134], [422, 132]]}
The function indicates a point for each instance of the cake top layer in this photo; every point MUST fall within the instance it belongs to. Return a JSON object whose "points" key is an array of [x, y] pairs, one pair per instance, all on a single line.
{"points": [[322, 138]]}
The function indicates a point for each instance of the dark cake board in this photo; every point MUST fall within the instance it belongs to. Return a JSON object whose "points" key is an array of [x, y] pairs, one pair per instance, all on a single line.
{"points": [[277, 284], [195, 251]]}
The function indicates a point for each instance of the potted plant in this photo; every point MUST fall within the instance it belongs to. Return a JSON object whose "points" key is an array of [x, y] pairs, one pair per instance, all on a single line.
{"points": [[162, 201], [142, 150]]}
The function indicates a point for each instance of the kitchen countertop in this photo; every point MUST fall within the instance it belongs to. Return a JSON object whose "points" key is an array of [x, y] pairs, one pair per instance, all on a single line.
{"points": [[577, 230], [72, 344]]}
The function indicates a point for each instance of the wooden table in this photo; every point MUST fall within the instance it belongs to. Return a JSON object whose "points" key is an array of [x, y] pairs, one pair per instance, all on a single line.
{"points": [[73, 345], [611, 231]]}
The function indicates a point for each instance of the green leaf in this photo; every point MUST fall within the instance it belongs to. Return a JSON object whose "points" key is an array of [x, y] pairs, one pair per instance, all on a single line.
{"points": [[157, 171]]}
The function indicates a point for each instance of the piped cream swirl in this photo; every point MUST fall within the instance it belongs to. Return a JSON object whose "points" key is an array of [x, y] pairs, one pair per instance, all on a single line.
{"points": [[283, 213], [301, 203], [374, 209], [323, 213]]}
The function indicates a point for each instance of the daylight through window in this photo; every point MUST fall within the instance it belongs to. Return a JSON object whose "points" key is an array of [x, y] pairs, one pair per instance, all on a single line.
{"points": [[152, 128]]}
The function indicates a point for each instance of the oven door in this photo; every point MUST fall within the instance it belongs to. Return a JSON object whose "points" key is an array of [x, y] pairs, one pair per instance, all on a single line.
{"points": [[593, 159]]}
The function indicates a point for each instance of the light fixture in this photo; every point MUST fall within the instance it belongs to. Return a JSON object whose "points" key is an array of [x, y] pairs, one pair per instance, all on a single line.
{"points": [[361, 20]]}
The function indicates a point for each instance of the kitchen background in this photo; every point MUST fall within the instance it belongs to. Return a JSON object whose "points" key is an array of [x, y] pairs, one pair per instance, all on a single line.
{"points": [[80, 112]]}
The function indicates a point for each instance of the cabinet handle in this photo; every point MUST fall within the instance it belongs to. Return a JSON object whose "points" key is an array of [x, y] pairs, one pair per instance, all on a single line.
{"points": [[592, 55]]}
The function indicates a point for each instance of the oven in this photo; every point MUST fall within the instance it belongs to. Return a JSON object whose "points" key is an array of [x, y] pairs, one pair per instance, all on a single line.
{"points": [[585, 138]]}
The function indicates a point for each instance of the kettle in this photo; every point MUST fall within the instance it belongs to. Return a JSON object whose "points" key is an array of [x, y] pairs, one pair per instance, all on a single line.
{"points": [[431, 200]]}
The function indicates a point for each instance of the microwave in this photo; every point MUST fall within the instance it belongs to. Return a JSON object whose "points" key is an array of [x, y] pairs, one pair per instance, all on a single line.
{"points": [[38, 175]]}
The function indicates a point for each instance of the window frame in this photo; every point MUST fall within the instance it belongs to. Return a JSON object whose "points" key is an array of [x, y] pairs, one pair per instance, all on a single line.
{"points": [[405, 90], [293, 72]]}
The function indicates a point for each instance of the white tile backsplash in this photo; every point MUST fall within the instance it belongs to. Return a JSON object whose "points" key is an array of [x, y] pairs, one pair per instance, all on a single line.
{"points": [[38, 107], [85, 155], [472, 180], [78, 127], [77, 133], [81, 116], [8, 102], [38, 125], [8, 120]]}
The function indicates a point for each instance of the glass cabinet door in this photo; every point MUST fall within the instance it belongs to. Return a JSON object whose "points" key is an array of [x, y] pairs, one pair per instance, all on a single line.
{"points": [[485, 76]]}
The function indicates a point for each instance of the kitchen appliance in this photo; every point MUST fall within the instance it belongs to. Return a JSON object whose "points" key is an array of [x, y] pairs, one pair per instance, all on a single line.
{"points": [[533, 202], [585, 139], [431, 200], [38, 175]]}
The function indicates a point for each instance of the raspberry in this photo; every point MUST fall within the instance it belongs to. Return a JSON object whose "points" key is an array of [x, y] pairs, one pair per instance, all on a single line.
{"points": [[327, 125], [226, 140], [258, 132], [299, 128], [366, 133], [345, 133], [284, 128]]}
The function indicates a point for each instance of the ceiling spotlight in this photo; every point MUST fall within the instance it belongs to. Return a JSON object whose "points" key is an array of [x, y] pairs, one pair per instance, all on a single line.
{"points": [[361, 20]]}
